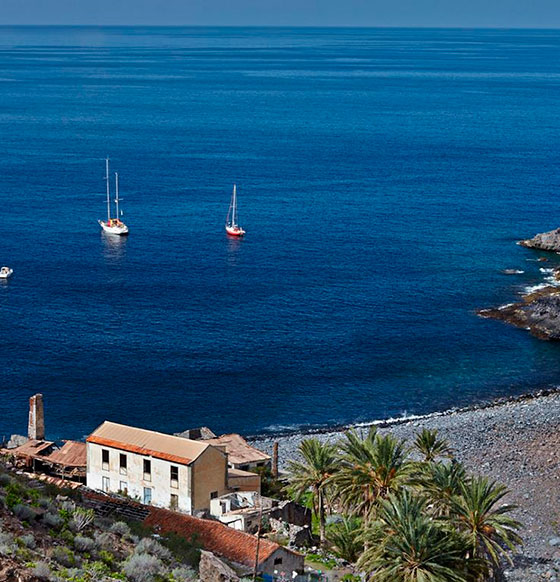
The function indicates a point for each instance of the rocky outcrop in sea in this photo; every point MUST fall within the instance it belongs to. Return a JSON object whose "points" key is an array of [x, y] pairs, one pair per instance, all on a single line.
{"points": [[546, 241], [538, 312]]}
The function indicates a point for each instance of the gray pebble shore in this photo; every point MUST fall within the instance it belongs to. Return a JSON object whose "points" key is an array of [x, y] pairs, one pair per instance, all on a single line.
{"points": [[515, 442]]}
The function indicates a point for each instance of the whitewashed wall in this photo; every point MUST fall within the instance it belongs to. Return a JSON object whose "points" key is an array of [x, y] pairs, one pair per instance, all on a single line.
{"points": [[160, 482]]}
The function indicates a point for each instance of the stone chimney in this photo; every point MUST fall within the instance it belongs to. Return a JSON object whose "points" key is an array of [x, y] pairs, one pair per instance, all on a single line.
{"points": [[36, 426], [275, 459]]}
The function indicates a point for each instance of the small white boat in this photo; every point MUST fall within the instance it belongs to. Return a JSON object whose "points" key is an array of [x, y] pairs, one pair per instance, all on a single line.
{"points": [[113, 225], [5, 272], [232, 228]]}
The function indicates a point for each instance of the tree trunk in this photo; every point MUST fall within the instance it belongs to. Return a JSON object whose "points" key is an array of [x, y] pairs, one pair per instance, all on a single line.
{"points": [[321, 503]]}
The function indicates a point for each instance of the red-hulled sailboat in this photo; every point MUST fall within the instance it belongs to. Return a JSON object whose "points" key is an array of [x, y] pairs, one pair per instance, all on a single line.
{"points": [[232, 227]]}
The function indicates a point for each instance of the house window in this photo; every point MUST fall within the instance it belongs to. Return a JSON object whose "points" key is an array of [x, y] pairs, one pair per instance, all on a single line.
{"points": [[244, 467], [105, 459], [147, 470], [123, 487], [213, 495], [122, 464], [105, 483], [174, 476], [147, 495], [260, 464], [174, 503], [277, 561]]}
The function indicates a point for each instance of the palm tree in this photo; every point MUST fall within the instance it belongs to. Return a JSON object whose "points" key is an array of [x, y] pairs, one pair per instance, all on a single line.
{"points": [[345, 538], [430, 446], [479, 512], [312, 473], [370, 469], [440, 482], [407, 545]]}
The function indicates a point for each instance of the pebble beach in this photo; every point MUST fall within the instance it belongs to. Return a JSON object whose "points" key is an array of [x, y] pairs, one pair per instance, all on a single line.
{"points": [[516, 442]]}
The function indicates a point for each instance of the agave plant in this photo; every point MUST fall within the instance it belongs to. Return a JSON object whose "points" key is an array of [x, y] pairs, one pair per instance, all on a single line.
{"points": [[312, 473]]}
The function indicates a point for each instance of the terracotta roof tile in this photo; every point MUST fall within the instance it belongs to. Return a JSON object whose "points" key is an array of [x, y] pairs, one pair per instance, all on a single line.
{"points": [[215, 537]]}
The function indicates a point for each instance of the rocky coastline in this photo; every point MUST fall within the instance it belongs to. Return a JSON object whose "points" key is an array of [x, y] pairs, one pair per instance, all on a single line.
{"points": [[515, 441], [545, 241], [538, 311]]}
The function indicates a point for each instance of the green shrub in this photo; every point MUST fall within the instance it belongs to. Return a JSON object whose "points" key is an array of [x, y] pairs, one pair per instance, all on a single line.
{"points": [[52, 520], [107, 558], [143, 568], [42, 571], [8, 545], [84, 544], [45, 503], [23, 512], [120, 528], [5, 479], [104, 540], [28, 540], [183, 574], [67, 536], [64, 556], [184, 550], [153, 548]]}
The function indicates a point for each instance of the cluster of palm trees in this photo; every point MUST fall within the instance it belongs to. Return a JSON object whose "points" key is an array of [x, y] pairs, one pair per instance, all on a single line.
{"points": [[409, 514]]}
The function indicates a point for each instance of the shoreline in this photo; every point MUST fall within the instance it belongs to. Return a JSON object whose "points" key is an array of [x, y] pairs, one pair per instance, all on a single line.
{"points": [[406, 419], [513, 440]]}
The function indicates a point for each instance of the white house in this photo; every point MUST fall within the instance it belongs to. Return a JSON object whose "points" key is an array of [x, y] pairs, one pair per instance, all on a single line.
{"points": [[155, 468]]}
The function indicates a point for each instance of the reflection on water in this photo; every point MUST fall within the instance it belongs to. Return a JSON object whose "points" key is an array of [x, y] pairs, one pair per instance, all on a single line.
{"points": [[233, 247], [114, 247]]}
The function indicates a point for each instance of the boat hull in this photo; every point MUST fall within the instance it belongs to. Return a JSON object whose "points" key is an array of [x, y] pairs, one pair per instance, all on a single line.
{"points": [[5, 274], [235, 231], [115, 229]]}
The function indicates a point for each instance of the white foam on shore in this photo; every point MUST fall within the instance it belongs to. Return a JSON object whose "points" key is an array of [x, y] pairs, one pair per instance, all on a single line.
{"points": [[533, 288]]}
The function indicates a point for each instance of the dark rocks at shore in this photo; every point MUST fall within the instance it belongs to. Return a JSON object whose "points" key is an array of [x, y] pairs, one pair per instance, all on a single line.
{"points": [[538, 312], [546, 241]]}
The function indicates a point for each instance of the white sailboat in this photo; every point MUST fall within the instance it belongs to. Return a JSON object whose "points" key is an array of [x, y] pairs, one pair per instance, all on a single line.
{"points": [[113, 225], [6, 272], [232, 227]]}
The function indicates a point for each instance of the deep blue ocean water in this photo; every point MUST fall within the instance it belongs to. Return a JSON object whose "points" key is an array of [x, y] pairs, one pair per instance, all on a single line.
{"points": [[383, 176]]}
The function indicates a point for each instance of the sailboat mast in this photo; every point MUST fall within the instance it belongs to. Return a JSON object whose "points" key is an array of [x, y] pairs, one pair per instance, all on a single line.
{"points": [[108, 190], [234, 217], [117, 193]]}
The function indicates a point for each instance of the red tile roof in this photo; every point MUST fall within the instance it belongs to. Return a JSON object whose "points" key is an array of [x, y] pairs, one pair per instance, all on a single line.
{"points": [[140, 450], [213, 536]]}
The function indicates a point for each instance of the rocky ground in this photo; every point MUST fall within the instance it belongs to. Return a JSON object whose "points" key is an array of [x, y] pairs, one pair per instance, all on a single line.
{"points": [[515, 442]]}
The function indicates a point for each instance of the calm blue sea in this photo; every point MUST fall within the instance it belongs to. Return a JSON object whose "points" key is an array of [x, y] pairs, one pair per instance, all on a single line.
{"points": [[383, 177]]}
